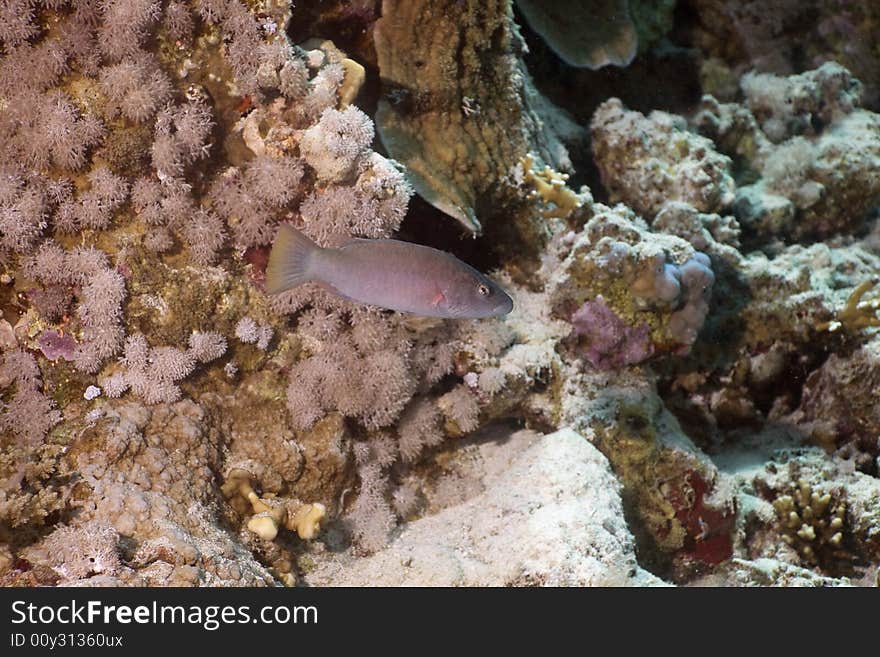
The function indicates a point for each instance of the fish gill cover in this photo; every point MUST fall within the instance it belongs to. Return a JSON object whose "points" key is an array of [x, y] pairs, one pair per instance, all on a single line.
{"points": [[683, 393]]}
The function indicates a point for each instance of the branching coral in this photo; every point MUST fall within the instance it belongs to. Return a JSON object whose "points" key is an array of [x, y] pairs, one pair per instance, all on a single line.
{"points": [[549, 187], [856, 314], [813, 522]]}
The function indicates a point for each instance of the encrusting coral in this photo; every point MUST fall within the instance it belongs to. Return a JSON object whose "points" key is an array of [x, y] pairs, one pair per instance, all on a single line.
{"points": [[648, 161], [458, 106]]}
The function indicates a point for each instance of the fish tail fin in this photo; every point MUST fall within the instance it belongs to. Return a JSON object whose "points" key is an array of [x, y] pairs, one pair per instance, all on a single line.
{"points": [[290, 260]]}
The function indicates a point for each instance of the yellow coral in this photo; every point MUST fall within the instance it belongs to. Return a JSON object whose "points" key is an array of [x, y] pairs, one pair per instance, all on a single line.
{"points": [[856, 314], [307, 520], [352, 83], [551, 188], [272, 514], [812, 523]]}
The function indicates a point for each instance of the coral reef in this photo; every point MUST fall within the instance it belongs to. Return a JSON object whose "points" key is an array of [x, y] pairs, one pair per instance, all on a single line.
{"points": [[458, 107], [648, 161], [815, 153], [790, 35]]}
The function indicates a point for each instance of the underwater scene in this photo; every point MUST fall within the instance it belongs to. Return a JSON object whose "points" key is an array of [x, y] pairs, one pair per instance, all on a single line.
{"points": [[439, 293]]}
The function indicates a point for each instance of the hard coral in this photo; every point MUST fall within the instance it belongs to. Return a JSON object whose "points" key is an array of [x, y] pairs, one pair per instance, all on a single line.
{"points": [[811, 523], [820, 177], [648, 161], [453, 95], [615, 257]]}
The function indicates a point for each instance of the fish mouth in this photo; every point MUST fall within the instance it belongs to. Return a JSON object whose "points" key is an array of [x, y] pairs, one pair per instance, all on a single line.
{"points": [[504, 307]]}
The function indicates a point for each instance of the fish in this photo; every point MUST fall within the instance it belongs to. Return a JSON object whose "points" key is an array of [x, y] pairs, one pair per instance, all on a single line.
{"points": [[392, 274]]}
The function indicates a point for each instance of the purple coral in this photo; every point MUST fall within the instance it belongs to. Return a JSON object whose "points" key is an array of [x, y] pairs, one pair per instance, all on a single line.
{"points": [[696, 281], [55, 345], [182, 137], [204, 235], [23, 211], [610, 342], [51, 302], [95, 207], [137, 87], [178, 21], [418, 428], [100, 294], [243, 40], [17, 21], [206, 347], [52, 131], [126, 25], [334, 146], [250, 198], [249, 332]]}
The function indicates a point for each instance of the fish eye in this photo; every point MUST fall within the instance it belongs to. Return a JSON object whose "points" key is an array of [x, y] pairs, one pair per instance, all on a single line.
{"points": [[483, 290]]}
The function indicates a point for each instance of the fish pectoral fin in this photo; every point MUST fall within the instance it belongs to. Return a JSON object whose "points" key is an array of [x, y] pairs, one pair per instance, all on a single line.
{"points": [[439, 298]]}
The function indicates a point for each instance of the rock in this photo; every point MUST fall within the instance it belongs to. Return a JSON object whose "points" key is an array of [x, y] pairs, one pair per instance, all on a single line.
{"points": [[553, 517]]}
